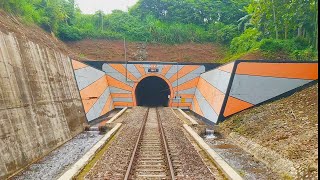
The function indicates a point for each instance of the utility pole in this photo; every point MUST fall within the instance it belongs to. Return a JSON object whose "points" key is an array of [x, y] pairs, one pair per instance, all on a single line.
{"points": [[102, 21], [125, 56]]}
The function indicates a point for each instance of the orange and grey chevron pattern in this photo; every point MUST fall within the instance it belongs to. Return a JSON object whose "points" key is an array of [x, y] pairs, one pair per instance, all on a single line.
{"points": [[113, 86], [256, 82], [94, 90], [239, 85], [215, 94], [211, 92]]}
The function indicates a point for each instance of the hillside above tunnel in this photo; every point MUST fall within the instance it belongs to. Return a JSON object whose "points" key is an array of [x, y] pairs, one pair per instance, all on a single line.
{"points": [[136, 51]]}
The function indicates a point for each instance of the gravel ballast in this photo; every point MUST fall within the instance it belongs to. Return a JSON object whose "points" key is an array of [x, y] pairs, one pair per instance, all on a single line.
{"points": [[53, 165], [114, 162]]}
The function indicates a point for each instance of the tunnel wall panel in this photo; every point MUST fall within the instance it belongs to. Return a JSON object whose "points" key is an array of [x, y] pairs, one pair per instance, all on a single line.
{"points": [[94, 90], [256, 82], [210, 92], [236, 86], [40, 105]]}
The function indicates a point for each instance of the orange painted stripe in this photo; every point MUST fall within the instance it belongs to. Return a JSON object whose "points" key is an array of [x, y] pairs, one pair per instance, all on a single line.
{"points": [[88, 103], [227, 67], [93, 92], [235, 105], [121, 95], [140, 69], [182, 72], [121, 69], [197, 108], [188, 96], [211, 94], [174, 104], [78, 65], [106, 107], [187, 85], [280, 70], [127, 104], [165, 69], [115, 83]]}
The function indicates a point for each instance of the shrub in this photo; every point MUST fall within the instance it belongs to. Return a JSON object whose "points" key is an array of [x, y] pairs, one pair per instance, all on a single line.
{"points": [[303, 55], [69, 33], [223, 33], [271, 45], [301, 43], [246, 41], [297, 48]]}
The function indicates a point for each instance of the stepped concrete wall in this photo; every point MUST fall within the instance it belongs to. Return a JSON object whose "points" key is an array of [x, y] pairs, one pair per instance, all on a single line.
{"points": [[40, 106]]}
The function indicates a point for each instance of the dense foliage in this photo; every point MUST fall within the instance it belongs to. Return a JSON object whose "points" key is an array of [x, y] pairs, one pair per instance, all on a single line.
{"points": [[289, 26]]}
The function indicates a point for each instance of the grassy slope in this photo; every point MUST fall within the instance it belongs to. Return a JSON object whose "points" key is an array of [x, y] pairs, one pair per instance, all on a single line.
{"points": [[289, 126]]}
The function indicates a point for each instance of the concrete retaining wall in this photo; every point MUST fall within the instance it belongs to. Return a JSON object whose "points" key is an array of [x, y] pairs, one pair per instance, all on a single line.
{"points": [[40, 106]]}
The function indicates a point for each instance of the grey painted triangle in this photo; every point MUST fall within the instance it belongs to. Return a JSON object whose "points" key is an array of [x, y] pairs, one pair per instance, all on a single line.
{"points": [[173, 70], [191, 75], [97, 108], [118, 90], [116, 75], [257, 89], [133, 70], [217, 78], [205, 107], [86, 76]]}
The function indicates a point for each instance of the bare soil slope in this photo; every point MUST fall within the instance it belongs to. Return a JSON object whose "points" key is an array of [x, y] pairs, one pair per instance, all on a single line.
{"points": [[114, 51], [288, 126]]}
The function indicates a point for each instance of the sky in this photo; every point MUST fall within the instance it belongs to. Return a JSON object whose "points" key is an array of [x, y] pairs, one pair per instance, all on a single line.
{"points": [[91, 6]]}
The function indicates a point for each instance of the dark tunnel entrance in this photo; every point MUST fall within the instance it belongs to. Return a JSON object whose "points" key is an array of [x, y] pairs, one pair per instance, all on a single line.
{"points": [[152, 92]]}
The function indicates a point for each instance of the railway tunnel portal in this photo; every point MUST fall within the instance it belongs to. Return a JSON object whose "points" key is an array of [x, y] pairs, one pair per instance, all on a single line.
{"points": [[152, 91], [212, 91]]}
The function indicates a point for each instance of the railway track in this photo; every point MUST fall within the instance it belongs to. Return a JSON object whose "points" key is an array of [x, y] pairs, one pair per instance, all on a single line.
{"points": [[150, 146], [150, 158]]}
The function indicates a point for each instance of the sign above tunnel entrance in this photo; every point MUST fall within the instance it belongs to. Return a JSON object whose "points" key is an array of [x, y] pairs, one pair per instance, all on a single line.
{"points": [[153, 68]]}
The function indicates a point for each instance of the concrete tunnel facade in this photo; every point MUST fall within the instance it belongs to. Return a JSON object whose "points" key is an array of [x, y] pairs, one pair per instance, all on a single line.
{"points": [[212, 91]]}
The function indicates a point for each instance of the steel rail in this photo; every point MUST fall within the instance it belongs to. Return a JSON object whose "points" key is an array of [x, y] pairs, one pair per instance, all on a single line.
{"points": [[136, 146], [165, 144]]}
